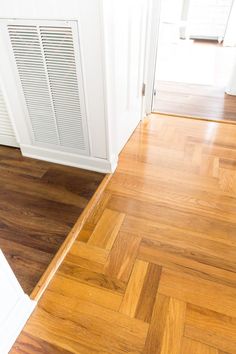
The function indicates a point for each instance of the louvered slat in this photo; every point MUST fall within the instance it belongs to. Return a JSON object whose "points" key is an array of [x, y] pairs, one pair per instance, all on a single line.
{"points": [[65, 93], [30, 64]]}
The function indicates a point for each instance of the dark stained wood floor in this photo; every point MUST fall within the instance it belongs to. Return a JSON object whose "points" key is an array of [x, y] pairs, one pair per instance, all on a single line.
{"points": [[199, 101], [39, 204]]}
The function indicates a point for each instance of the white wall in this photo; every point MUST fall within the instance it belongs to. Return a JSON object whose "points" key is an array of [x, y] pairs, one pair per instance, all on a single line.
{"points": [[15, 307], [171, 10]]}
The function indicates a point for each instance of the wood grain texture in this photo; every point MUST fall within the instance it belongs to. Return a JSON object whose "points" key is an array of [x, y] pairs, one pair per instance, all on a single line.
{"points": [[153, 268], [106, 229], [122, 256], [148, 293], [134, 288], [155, 337], [192, 347], [199, 291], [68, 242], [194, 100], [211, 328], [39, 204], [167, 326], [80, 326]]}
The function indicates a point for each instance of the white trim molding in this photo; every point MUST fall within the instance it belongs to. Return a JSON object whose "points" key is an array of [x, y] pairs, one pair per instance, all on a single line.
{"points": [[70, 159]]}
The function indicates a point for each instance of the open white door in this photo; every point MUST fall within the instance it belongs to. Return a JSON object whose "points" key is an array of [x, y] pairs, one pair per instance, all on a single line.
{"points": [[125, 24]]}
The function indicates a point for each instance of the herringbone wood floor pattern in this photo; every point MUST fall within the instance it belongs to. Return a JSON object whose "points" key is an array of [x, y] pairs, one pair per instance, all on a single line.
{"points": [[154, 269]]}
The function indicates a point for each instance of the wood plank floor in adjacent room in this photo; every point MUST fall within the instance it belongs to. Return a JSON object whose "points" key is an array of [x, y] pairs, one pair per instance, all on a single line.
{"points": [[154, 269], [197, 101], [39, 203]]}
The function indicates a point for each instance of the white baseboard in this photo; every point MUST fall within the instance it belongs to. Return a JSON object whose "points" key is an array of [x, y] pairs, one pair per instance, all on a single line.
{"points": [[69, 159], [10, 330]]}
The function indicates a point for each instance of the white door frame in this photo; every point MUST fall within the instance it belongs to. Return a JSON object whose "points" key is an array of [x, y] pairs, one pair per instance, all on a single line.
{"points": [[151, 52]]}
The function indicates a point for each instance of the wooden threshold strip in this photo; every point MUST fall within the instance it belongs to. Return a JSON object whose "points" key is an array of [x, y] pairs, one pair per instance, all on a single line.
{"points": [[71, 237], [225, 121]]}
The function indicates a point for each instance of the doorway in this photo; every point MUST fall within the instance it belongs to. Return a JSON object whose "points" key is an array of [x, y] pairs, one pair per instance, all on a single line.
{"points": [[195, 60]]}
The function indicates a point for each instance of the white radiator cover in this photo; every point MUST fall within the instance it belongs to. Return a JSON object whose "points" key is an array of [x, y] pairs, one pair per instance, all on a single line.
{"points": [[47, 60], [55, 85]]}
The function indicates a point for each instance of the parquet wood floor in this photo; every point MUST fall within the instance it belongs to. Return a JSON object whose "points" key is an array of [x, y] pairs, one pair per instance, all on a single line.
{"points": [[39, 203], [154, 269]]}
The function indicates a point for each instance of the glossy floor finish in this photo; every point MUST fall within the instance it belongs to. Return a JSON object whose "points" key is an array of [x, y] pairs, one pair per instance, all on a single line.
{"points": [[199, 101], [39, 203], [154, 268]]}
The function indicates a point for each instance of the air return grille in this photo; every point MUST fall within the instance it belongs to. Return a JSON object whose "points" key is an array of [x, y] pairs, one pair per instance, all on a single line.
{"points": [[51, 79], [7, 135]]}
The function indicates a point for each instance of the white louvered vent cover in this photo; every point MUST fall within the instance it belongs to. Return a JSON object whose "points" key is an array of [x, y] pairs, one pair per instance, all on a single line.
{"points": [[48, 61], [7, 135]]}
